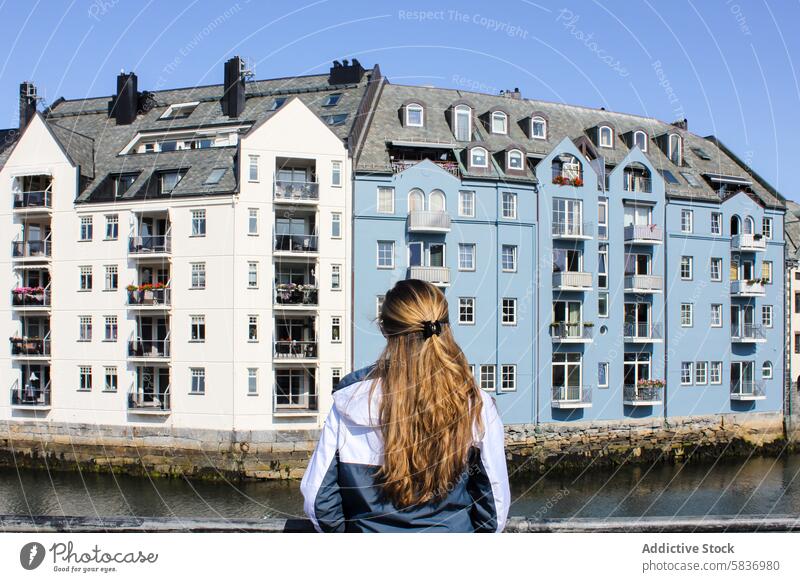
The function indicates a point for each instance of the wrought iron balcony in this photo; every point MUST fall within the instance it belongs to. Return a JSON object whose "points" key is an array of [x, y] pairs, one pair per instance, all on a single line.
{"points": [[748, 390], [149, 296], [572, 281], [296, 243], [633, 395], [149, 349], [30, 396], [291, 295], [26, 347], [644, 234], [296, 191], [295, 349], [434, 275], [564, 332], [748, 242], [150, 244], [566, 397], [428, 221], [643, 332], [644, 284]]}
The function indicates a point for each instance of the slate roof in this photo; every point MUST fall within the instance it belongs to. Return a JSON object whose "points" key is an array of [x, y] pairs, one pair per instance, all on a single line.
{"points": [[94, 141], [562, 121], [791, 230]]}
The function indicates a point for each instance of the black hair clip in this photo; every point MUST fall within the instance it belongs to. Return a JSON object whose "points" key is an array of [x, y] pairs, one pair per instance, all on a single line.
{"points": [[431, 327]]}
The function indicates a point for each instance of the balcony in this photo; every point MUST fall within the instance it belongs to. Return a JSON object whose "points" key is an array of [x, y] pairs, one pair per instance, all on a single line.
{"points": [[149, 402], [644, 234], [295, 350], [573, 230], [300, 192], [428, 221], [30, 347], [434, 275], [572, 281], [748, 333], [31, 250], [637, 183], [149, 349], [295, 392], [155, 296], [747, 288], [291, 295], [748, 243], [32, 201], [296, 244], [643, 394], [571, 333], [30, 397], [747, 391], [30, 298], [644, 284], [643, 333], [569, 397], [399, 166], [150, 245]]}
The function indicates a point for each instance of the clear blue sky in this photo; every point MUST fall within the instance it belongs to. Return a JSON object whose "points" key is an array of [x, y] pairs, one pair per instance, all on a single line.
{"points": [[728, 66]]}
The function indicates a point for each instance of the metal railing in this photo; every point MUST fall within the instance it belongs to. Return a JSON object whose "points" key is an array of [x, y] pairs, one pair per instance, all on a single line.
{"points": [[29, 249], [296, 243], [435, 275], [565, 177], [295, 349], [562, 330], [296, 295], [449, 167], [141, 400], [747, 390], [296, 191], [645, 283], [32, 199], [30, 346], [572, 279], [148, 348], [31, 297], [649, 331], [150, 244], [294, 401], [748, 242], [747, 287], [428, 220], [573, 229], [634, 183], [642, 395], [30, 395], [748, 331], [571, 396], [644, 232], [155, 296]]}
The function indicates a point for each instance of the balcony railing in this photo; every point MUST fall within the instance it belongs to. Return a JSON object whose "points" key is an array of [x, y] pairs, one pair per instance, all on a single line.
{"points": [[296, 243], [642, 331], [567, 177], [571, 397], [295, 349], [633, 395], [428, 221], [579, 332], [579, 230], [637, 184], [748, 333], [30, 346], [150, 297], [747, 288], [32, 200], [30, 297], [286, 190], [748, 390], [149, 401], [141, 348], [644, 283], [748, 242], [434, 275], [30, 396], [31, 249], [150, 244], [288, 400], [644, 233], [569, 280], [290, 294], [449, 167]]}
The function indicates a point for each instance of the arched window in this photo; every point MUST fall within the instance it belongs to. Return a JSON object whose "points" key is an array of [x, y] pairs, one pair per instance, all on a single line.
{"points": [[766, 370], [676, 149], [499, 122], [606, 137], [463, 123], [416, 200], [748, 225], [538, 128], [640, 140], [515, 160], [415, 115], [436, 201], [736, 225], [478, 158]]}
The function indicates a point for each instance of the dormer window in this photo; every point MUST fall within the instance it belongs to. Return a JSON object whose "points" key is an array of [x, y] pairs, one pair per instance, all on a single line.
{"points": [[122, 183], [179, 110], [538, 128], [675, 152], [605, 137], [499, 122], [415, 115], [640, 140], [515, 160], [168, 180], [462, 122], [478, 158]]}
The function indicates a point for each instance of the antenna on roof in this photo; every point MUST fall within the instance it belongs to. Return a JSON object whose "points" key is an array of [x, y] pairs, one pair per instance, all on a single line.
{"points": [[247, 68]]}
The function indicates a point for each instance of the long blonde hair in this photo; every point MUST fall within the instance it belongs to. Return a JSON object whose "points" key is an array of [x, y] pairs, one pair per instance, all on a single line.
{"points": [[429, 403]]}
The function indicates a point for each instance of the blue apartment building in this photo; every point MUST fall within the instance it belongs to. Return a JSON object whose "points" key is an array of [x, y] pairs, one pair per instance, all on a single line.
{"points": [[598, 265]]}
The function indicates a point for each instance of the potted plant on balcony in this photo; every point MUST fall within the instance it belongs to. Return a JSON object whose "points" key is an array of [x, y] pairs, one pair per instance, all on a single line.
{"points": [[560, 180], [577, 181], [285, 292]]}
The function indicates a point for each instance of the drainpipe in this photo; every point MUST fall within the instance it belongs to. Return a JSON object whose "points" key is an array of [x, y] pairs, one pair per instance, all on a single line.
{"points": [[498, 259], [664, 311], [536, 330]]}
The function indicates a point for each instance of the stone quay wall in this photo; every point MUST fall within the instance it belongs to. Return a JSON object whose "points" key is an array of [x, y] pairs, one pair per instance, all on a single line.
{"points": [[209, 454]]}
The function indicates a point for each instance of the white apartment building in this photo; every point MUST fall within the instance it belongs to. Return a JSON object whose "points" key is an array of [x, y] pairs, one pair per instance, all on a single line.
{"points": [[182, 258]]}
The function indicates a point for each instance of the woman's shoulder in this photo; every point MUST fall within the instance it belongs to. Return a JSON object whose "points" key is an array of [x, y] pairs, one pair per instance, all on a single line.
{"points": [[354, 377]]}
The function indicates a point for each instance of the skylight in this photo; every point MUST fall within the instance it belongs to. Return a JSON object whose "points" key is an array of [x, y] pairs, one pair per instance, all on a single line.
{"points": [[669, 177], [332, 100], [276, 104], [215, 176], [691, 178], [337, 119], [179, 110], [701, 153]]}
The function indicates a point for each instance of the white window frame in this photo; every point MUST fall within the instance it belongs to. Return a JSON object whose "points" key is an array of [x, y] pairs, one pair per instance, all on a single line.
{"points": [[687, 220], [336, 324], [84, 328], [198, 275], [197, 329], [110, 328], [336, 277], [600, 296], [500, 117], [336, 174], [766, 227], [336, 225], [511, 197], [252, 274], [512, 155], [767, 265], [198, 381], [767, 319], [457, 125], [687, 309], [252, 381], [767, 370], [110, 372], [715, 276], [466, 306], [378, 206], [463, 196], [111, 278], [602, 366], [252, 221], [87, 229], [508, 378], [84, 378], [716, 315], [252, 326], [511, 311], [85, 277], [112, 224], [687, 371], [253, 170], [514, 257], [610, 133], [716, 223], [670, 153], [488, 377], [472, 153], [644, 141], [543, 121], [416, 107], [701, 373], [473, 254], [715, 373], [687, 268], [198, 229], [172, 109], [378, 254]]}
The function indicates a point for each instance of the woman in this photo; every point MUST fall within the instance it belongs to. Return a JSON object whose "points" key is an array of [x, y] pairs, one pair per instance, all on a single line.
{"points": [[411, 443]]}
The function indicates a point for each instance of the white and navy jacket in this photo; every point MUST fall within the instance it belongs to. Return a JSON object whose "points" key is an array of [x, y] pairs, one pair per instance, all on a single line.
{"points": [[340, 488]]}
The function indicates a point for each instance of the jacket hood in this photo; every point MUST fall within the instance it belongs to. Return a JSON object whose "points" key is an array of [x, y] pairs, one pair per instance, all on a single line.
{"points": [[355, 404]]}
